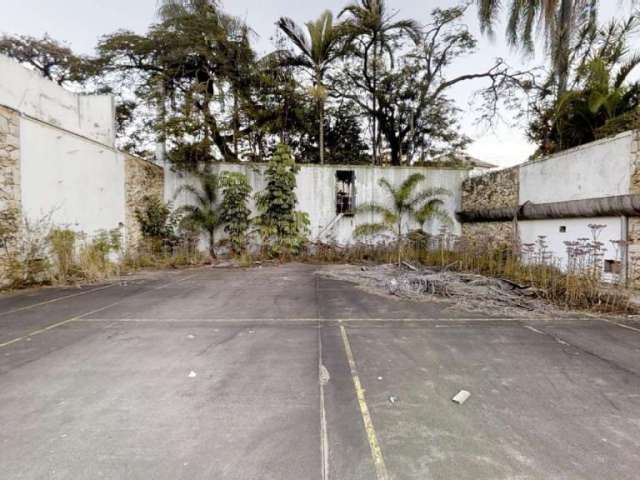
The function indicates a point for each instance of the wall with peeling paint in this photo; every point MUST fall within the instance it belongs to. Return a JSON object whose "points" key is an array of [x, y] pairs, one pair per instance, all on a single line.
{"points": [[27, 92], [316, 193]]}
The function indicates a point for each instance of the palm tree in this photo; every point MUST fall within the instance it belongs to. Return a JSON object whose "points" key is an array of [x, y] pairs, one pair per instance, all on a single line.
{"points": [[371, 20], [580, 113], [561, 20], [318, 50], [407, 204], [205, 214]]}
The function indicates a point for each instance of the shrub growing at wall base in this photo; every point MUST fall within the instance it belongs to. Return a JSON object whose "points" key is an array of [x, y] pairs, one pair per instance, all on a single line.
{"points": [[236, 192], [282, 229], [63, 251]]}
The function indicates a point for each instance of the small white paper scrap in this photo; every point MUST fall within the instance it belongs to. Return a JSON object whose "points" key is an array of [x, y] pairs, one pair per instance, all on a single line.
{"points": [[461, 397]]}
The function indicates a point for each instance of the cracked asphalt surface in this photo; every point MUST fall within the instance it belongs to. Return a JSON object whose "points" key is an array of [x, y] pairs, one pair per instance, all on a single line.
{"points": [[214, 374]]}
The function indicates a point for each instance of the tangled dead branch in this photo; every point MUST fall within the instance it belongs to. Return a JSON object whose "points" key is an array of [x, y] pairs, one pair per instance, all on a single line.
{"points": [[471, 292]]}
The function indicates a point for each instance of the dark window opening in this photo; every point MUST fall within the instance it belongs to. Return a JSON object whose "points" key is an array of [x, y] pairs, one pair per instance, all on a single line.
{"points": [[345, 192], [613, 266], [563, 229]]}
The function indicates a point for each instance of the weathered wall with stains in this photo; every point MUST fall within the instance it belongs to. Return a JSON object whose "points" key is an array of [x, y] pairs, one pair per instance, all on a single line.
{"points": [[10, 185], [316, 192], [604, 168], [75, 181], [9, 159], [143, 179], [26, 91], [633, 224]]}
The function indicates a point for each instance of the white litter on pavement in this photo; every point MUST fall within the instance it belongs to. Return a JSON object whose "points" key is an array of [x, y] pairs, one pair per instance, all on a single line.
{"points": [[461, 397], [193, 374]]}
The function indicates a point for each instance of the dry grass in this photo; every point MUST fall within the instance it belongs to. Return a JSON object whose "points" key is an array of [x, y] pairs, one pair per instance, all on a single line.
{"points": [[571, 291]]}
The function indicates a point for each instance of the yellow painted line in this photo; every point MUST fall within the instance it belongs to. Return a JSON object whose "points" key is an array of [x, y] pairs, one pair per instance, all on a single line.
{"points": [[57, 299], [376, 451], [80, 317], [51, 327]]}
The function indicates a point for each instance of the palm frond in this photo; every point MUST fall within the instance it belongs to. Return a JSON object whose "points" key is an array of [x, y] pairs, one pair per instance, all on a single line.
{"points": [[295, 34], [388, 216], [407, 187], [370, 229], [433, 210], [626, 69], [428, 193], [489, 13]]}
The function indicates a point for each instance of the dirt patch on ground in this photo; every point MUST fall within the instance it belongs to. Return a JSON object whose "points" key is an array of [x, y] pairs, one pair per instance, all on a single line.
{"points": [[469, 292]]}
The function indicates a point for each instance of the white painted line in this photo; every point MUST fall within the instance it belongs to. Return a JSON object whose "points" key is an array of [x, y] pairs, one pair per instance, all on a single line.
{"points": [[529, 327], [455, 323], [323, 378], [622, 325]]}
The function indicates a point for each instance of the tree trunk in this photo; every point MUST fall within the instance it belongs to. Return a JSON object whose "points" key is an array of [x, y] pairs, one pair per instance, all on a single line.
{"points": [[562, 54], [375, 91], [212, 243], [236, 122], [321, 109], [399, 245]]}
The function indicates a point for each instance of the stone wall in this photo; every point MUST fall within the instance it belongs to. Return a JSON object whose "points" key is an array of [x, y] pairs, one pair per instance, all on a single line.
{"points": [[492, 190], [490, 233], [142, 179], [9, 159], [633, 234]]}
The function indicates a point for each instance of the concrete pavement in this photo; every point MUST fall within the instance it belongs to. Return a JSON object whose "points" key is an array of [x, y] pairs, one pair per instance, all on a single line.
{"points": [[98, 383]]}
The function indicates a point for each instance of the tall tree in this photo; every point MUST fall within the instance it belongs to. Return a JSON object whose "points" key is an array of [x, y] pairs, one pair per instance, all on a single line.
{"points": [[415, 112], [370, 22], [185, 66], [52, 59], [318, 49], [562, 21], [601, 96]]}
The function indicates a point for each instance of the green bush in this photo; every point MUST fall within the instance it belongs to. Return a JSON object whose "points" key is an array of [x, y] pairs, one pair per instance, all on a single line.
{"points": [[283, 230], [236, 192]]}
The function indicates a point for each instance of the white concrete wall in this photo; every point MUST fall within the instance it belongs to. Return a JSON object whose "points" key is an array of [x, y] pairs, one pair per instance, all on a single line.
{"points": [[316, 192], [79, 182], [598, 169], [28, 92], [576, 228]]}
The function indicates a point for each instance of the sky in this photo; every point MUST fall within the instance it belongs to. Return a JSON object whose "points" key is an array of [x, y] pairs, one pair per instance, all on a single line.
{"points": [[80, 23]]}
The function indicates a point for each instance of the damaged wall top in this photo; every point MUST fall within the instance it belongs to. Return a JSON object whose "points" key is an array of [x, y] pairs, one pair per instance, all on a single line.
{"points": [[26, 91]]}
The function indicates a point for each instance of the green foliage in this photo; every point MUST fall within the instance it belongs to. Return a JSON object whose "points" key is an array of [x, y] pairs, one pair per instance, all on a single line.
{"points": [[407, 204], [204, 215], [600, 99], [236, 193], [282, 229], [317, 51], [155, 219], [53, 60]]}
